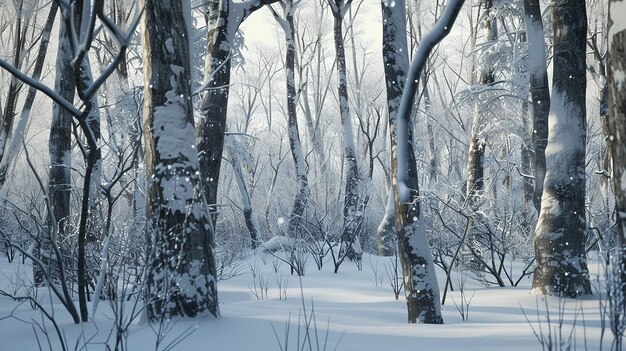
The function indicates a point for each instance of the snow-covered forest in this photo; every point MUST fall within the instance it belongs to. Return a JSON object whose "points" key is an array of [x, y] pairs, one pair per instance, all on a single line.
{"points": [[312, 174]]}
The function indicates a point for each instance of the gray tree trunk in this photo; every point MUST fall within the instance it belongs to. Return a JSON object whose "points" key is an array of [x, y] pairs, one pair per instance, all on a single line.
{"points": [[182, 275], [396, 63], [223, 21], [350, 243], [20, 32], [59, 146], [297, 153], [617, 123], [16, 142], [386, 232], [561, 265], [420, 281], [476, 157], [249, 216], [539, 92]]}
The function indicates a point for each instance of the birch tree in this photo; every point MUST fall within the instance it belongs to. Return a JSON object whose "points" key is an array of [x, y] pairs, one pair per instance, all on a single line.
{"points": [[421, 288], [286, 23], [350, 243], [561, 265], [181, 279]]}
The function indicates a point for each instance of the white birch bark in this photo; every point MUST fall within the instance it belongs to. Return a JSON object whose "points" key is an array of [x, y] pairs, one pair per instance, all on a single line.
{"points": [[286, 21], [350, 242]]}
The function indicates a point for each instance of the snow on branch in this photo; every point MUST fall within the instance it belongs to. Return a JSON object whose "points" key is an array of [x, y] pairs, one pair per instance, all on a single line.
{"points": [[429, 41], [122, 40], [41, 87]]}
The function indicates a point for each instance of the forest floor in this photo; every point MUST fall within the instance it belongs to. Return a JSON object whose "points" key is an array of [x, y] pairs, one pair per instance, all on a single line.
{"points": [[352, 310]]}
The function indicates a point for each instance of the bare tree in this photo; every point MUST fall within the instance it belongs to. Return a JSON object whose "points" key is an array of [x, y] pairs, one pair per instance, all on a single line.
{"points": [[59, 143], [15, 144], [421, 289], [561, 267], [350, 243], [539, 92], [223, 20], [238, 155], [476, 156], [396, 63], [182, 277], [617, 123], [286, 22]]}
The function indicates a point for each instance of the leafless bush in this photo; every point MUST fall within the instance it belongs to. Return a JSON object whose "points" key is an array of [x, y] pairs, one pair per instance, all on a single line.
{"points": [[308, 336], [393, 276], [282, 286], [552, 334], [378, 279], [464, 304], [260, 283]]}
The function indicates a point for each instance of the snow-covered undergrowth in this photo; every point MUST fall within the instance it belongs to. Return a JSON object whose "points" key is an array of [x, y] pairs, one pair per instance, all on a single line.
{"points": [[356, 308]]}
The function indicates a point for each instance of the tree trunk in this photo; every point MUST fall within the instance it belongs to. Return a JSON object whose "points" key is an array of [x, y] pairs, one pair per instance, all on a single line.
{"points": [[59, 146], [223, 21], [313, 129], [420, 281], [561, 267], [302, 195], [16, 142], [182, 275], [433, 161], [386, 233], [617, 124], [15, 85], [396, 63], [252, 224], [214, 103], [476, 158], [350, 243], [539, 92]]}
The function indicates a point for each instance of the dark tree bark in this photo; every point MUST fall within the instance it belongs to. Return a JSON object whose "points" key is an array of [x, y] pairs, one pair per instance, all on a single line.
{"points": [[561, 265], [223, 21], [476, 157], [59, 146], [396, 64], [617, 125], [420, 281], [182, 275], [539, 93]]}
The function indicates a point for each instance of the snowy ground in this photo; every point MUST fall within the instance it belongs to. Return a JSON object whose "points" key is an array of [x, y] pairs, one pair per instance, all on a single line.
{"points": [[352, 307]]}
